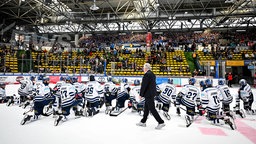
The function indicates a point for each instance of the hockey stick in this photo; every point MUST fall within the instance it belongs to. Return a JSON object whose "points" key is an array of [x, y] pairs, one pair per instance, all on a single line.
{"points": [[110, 114], [30, 110]]}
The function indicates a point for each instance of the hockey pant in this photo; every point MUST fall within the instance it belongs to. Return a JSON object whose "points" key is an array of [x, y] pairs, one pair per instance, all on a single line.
{"points": [[39, 106], [66, 110], [190, 110], [165, 106], [121, 100], [108, 100]]}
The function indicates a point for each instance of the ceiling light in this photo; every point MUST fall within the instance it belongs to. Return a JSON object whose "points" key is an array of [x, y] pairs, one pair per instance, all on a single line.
{"points": [[94, 7]]}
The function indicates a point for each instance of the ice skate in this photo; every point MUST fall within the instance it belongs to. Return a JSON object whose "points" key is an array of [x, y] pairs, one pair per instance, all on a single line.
{"points": [[108, 109], [58, 119], [168, 117], [230, 122], [178, 111], [26, 119], [9, 102]]}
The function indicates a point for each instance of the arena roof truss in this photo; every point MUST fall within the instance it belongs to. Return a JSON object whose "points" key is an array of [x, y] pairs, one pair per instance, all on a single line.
{"points": [[78, 16]]}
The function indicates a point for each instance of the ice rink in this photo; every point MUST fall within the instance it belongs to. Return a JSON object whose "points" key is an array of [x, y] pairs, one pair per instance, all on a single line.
{"points": [[104, 129]]}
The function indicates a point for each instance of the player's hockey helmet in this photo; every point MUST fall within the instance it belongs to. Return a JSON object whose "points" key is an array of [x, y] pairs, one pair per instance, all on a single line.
{"points": [[124, 80], [136, 82], [221, 81], [74, 79], [192, 81], [170, 81], [109, 78], [208, 82], [242, 82], [46, 80], [92, 78]]}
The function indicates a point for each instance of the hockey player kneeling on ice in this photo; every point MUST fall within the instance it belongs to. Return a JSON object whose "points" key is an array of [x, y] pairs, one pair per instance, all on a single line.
{"points": [[42, 98], [94, 92], [189, 96], [211, 101], [226, 97], [110, 93], [122, 96], [25, 91], [69, 100], [167, 92], [3, 97], [56, 93], [135, 102], [246, 95]]}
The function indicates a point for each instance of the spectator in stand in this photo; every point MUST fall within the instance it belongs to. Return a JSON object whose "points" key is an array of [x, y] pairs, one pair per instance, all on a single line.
{"points": [[230, 78]]}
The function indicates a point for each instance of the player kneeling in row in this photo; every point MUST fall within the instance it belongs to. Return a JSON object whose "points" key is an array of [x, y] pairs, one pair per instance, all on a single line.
{"points": [[42, 97], [167, 92], [110, 93], [69, 100], [226, 97], [93, 95], [135, 102], [4, 98], [189, 96], [246, 95], [211, 101], [122, 96]]}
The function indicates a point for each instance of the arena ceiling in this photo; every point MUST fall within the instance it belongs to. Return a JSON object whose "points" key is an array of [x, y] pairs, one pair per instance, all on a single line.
{"points": [[87, 16]]}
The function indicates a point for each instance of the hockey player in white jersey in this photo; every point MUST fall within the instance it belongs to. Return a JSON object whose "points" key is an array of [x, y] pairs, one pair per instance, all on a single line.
{"points": [[135, 102], [189, 96], [110, 93], [56, 93], [167, 93], [2, 93], [122, 96], [42, 97], [211, 102], [245, 94], [25, 91], [69, 100], [80, 92], [94, 92], [225, 97]]}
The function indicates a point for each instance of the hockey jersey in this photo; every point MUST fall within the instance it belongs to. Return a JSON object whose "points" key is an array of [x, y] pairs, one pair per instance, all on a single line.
{"points": [[245, 91], [135, 93], [167, 92], [123, 90], [80, 88], [26, 87], [110, 87], [94, 91], [41, 92], [210, 99], [68, 92], [190, 95], [225, 95], [2, 93]]}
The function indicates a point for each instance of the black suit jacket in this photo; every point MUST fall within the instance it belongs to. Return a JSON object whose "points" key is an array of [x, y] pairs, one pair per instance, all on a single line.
{"points": [[148, 86]]}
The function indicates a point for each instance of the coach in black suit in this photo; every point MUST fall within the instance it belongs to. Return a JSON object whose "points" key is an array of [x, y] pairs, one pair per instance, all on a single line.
{"points": [[148, 91]]}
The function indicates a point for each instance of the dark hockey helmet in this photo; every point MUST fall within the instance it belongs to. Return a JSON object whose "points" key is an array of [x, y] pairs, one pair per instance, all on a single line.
{"points": [[92, 78], [68, 79], [109, 78], [192, 81], [62, 78], [46, 80], [202, 84], [32, 78], [2, 85], [221, 81], [124, 80], [136, 82], [170, 80], [242, 82], [40, 77], [208, 82], [74, 79]]}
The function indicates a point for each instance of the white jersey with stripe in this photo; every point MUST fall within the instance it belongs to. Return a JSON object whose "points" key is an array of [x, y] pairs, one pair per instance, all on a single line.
{"points": [[225, 95], [135, 94], [110, 87], [122, 90], [26, 87], [210, 99], [80, 87], [68, 92], [94, 91], [57, 87], [2, 93], [41, 92], [245, 91], [191, 95], [168, 92]]}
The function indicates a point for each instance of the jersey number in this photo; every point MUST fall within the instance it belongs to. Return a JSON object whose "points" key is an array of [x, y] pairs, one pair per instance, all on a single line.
{"points": [[190, 94], [216, 99], [90, 90], [167, 91]]}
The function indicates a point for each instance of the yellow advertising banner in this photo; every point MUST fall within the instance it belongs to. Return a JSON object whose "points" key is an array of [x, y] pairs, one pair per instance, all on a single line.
{"points": [[234, 63], [211, 62]]}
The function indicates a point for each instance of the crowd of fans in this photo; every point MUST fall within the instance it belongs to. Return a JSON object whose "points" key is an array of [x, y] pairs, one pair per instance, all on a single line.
{"points": [[111, 50]]}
